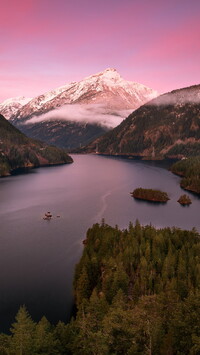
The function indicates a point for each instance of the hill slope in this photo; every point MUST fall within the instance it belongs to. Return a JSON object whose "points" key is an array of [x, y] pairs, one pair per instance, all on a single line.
{"points": [[168, 126], [79, 112], [18, 151], [137, 292]]}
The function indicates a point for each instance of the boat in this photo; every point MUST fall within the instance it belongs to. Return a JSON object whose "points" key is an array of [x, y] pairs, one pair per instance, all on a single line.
{"points": [[47, 216]]}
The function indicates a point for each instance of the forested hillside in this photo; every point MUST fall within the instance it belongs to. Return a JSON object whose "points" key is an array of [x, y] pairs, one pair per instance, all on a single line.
{"points": [[190, 170], [166, 127], [18, 151], [137, 292]]}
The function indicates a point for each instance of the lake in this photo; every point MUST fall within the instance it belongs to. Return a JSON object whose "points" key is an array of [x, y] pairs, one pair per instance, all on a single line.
{"points": [[38, 256]]}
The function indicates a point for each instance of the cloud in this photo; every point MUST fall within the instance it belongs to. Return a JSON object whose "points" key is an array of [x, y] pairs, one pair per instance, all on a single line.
{"points": [[190, 95], [92, 114]]}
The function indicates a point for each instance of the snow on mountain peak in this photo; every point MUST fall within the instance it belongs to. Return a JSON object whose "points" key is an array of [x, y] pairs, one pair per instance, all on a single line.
{"points": [[106, 88], [109, 74], [19, 99], [79, 111], [10, 107]]}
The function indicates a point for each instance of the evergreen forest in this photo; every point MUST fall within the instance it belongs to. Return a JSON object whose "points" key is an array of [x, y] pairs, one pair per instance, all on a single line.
{"points": [[19, 151], [189, 169], [150, 195], [137, 291]]}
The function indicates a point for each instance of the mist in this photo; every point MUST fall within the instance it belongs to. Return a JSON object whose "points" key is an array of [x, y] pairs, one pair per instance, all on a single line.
{"points": [[182, 96], [92, 114]]}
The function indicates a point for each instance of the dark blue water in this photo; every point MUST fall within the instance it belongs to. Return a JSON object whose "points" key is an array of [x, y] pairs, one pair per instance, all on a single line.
{"points": [[38, 257]]}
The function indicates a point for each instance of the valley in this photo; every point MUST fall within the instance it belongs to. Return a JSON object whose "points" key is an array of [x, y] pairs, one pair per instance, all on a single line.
{"points": [[40, 256], [100, 177], [152, 233]]}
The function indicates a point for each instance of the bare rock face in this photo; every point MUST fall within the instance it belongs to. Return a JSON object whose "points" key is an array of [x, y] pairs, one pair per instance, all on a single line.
{"points": [[76, 113]]}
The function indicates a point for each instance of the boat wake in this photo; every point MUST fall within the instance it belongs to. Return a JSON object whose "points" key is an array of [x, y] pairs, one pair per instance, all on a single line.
{"points": [[98, 217]]}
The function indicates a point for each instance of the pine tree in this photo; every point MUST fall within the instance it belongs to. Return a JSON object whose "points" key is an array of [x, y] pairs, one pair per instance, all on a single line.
{"points": [[83, 287], [45, 342], [118, 326], [64, 335], [23, 331], [5, 344]]}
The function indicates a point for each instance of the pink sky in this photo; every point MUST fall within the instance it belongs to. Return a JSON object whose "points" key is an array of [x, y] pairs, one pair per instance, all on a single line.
{"points": [[48, 43]]}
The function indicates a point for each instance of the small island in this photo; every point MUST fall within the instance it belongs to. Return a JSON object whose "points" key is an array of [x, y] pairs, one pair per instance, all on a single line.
{"points": [[150, 195], [184, 200]]}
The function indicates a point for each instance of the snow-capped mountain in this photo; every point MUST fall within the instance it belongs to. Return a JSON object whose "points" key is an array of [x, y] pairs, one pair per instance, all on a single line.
{"points": [[102, 100], [9, 107], [105, 88]]}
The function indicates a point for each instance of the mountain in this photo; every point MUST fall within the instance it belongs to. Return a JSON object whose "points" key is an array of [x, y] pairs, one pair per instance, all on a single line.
{"points": [[10, 107], [166, 127], [78, 112], [19, 151]]}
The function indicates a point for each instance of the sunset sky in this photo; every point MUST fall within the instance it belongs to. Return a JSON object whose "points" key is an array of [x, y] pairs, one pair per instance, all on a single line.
{"points": [[45, 44]]}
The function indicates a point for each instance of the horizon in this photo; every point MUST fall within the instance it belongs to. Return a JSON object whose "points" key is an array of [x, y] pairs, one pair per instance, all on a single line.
{"points": [[47, 45]]}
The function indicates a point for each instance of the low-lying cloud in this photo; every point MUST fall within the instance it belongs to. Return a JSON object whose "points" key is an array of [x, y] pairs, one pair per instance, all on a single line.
{"points": [[92, 114], [181, 97]]}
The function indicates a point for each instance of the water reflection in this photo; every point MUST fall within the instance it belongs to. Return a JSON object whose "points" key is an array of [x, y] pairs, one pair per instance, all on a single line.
{"points": [[38, 257]]}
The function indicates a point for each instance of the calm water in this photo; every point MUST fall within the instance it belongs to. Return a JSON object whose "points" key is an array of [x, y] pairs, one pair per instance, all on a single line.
{"points": [[38, 257]]}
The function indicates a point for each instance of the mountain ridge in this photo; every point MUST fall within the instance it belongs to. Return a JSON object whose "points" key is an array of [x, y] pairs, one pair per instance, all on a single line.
{"points": [[79, 91], [165, 127], [100, 101], [10, 107]]}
